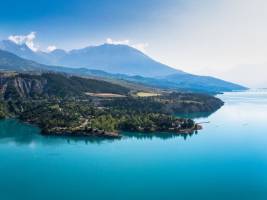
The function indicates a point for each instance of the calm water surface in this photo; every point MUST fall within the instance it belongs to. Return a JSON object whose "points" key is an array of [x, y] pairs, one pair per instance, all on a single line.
{"points": [[227, 160]]}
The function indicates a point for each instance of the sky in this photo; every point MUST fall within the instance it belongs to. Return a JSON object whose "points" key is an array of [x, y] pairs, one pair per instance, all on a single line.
{"points": [[223, 38]]}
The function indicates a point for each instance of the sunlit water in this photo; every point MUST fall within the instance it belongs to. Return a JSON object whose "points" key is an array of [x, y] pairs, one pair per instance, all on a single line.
{"points": [[226, 160]]}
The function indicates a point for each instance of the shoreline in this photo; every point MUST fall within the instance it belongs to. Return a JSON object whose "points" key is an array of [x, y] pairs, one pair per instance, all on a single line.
{"points": [[115, 134], [118, 134], [82, 133]]}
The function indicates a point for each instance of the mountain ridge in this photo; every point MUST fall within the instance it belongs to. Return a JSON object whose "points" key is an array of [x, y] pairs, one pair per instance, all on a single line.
{"points": [[107, 57], [170, 79]]}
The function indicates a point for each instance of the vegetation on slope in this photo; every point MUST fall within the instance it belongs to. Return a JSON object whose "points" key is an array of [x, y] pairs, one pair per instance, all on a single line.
{"points": [[59, 104], [53, 85], [72, 116]]}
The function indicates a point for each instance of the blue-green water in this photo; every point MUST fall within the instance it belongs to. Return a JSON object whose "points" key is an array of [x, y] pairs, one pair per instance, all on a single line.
{"points": [[227, 160]]}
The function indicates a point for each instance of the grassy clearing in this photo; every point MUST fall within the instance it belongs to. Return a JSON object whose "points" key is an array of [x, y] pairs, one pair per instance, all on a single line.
{"points": [[147, 94], [107, 95]]}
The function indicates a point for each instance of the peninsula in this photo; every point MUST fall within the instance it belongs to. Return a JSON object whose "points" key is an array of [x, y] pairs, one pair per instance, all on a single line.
{"points": [[70, 105]]}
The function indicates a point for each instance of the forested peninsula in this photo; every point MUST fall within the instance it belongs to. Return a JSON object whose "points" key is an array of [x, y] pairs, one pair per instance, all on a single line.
{"points": [[75, 106]]}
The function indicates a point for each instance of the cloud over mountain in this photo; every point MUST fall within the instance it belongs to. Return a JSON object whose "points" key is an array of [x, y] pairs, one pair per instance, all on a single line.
{"points": [[25, 39]]}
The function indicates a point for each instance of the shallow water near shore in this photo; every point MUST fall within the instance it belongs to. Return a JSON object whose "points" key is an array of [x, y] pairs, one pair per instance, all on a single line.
{"points": [[224, 161]]}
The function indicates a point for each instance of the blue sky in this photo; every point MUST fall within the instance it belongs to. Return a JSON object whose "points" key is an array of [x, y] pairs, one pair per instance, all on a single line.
{"points": [[74, 23], [223, 38]]}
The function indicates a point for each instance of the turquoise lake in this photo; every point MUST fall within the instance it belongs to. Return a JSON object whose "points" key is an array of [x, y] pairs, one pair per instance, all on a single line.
{"points": [[224, 161]]}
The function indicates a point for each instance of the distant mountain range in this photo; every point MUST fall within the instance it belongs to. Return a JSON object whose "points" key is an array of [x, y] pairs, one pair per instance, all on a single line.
{"points": [[111, 58], [119, 62]]}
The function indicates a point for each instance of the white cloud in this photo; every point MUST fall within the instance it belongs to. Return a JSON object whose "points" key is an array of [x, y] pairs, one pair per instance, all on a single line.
{"points": [[25, 39], [140, 46], [51, 48]]}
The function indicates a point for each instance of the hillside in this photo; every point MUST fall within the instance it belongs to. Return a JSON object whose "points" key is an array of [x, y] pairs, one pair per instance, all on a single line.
{"points": [[24, 86], [180, 82], [17, 86], [202, 83], [11, 62]]}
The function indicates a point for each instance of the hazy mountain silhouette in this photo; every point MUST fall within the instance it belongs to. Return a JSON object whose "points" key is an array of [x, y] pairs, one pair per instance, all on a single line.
{"points": [[110, 61]]}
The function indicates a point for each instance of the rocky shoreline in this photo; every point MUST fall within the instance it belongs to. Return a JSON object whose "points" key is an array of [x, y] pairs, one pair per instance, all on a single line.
{"points": [[82, 133], [113, 134]]}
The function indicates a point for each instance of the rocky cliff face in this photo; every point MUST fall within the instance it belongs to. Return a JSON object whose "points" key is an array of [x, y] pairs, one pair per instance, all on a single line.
{"points": [[14, 86]]}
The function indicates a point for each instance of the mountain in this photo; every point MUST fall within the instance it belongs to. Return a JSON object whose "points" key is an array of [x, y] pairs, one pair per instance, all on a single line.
{"points": [[118, 62], [115, 58], [202, 83], [179, 82], [23, 51], [11, 62], [111, 58]]}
